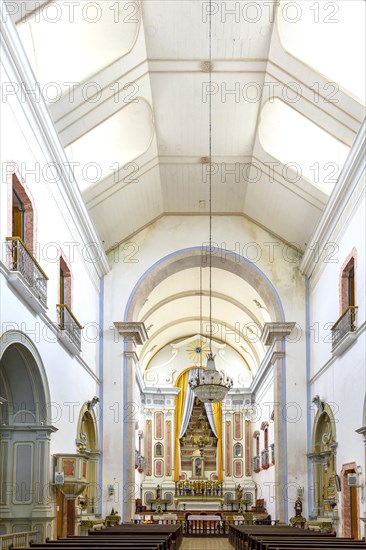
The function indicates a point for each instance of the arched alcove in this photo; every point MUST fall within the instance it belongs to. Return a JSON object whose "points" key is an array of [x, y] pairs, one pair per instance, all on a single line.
{"points": [[25, 437], [324, 460]]}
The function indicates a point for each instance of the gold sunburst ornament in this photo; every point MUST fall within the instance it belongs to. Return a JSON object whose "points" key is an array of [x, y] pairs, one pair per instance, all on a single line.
{"points": [[197, 350]]}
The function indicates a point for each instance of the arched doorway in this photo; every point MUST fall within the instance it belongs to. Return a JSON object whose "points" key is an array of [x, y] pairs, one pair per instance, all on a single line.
{"points": [[25, 498]]}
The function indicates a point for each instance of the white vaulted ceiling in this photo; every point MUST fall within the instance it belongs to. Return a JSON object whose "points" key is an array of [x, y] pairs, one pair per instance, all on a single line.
{"points": [[137, 107]]}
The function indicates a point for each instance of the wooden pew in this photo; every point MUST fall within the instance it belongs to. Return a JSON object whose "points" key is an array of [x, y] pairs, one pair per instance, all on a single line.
{"points": [[239, 536], [299, 543], [175, 530]]}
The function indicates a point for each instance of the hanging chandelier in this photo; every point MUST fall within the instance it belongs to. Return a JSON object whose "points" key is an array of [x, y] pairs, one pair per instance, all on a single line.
{"points": [[209, 385]]}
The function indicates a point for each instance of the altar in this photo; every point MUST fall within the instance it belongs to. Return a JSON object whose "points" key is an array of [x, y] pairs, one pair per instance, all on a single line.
{"points": [[194, 503]]}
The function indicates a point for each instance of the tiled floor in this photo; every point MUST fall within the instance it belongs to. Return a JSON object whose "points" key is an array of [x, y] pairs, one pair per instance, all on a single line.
{"points": [[205, 543]]}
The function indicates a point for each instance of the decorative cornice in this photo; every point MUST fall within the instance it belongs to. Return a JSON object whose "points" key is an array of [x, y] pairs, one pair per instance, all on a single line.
{"points": [[275, 331], [341, 195], [135, 332]]}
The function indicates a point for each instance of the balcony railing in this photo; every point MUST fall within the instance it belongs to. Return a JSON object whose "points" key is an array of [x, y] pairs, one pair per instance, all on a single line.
{"points": [[265, 458], [256, 463], [346, 323], [69, 324], [18, 540], [22, 260]]}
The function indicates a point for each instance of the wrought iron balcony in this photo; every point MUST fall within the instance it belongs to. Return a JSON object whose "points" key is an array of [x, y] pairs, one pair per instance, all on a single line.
{"points": [[22, 261], [256, 463], [345, 324], [70, 325], [265, 458]]}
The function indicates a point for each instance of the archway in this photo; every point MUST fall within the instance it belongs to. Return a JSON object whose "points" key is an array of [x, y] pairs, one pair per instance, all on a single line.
{"points": [[25, 501], [184, 261], [193, 257]]}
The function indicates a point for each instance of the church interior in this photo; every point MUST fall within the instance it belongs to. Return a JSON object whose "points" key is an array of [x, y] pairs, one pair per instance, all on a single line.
{"points": [[182, 337]]}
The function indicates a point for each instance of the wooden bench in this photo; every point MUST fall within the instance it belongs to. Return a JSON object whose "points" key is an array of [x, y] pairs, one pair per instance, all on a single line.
{"points": [[175, 530], [301, 543], [240, 536]]}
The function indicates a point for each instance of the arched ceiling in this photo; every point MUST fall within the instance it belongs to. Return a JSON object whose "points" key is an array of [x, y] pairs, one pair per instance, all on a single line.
{"points": [[236, 313], [126, 85]]}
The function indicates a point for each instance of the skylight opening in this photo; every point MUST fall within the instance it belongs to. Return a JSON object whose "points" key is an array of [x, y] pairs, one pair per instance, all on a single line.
{"points": [[304, 148], [330, 38], [68, 43], [110, 147]]}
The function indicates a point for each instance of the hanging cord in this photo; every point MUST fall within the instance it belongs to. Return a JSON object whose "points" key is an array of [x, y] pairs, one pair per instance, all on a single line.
{"points": [[210, 173], [201, 319]]}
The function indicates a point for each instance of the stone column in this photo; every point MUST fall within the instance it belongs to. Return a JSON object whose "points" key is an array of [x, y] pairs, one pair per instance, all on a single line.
{"points": [[273, 335], [134, 335]]}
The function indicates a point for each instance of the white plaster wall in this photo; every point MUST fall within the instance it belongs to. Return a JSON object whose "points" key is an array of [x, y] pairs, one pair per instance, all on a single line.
{"points": [[72, 381], [341, 381], [324, 285]]}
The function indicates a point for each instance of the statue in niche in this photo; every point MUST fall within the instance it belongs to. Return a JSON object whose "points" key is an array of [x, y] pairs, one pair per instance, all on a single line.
{"points": [[237, 450], [198, 467]]}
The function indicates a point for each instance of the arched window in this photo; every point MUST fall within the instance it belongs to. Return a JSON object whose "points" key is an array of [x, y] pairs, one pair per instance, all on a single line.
{"points": [[159, 450]]}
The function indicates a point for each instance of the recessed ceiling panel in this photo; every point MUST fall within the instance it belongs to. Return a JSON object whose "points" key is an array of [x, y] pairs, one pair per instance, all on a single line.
{"points": [[68, 42], [108, 147]]}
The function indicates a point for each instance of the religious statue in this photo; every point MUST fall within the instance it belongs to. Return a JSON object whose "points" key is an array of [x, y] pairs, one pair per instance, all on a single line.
{"points": [[198, 467], [158, 492], [298, 507], [239, 492], [194, 485]]}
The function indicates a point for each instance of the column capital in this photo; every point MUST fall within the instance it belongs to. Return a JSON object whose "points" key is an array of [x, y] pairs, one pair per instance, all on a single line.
{"points": [[275, 331], [135, 332]]}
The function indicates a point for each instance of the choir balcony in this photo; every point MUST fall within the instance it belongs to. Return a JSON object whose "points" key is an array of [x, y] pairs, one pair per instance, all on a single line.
{"points": [[26, 275], [344, 330]]}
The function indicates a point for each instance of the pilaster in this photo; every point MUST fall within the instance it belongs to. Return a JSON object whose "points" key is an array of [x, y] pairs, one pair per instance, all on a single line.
{"points": [[134, 335]]}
